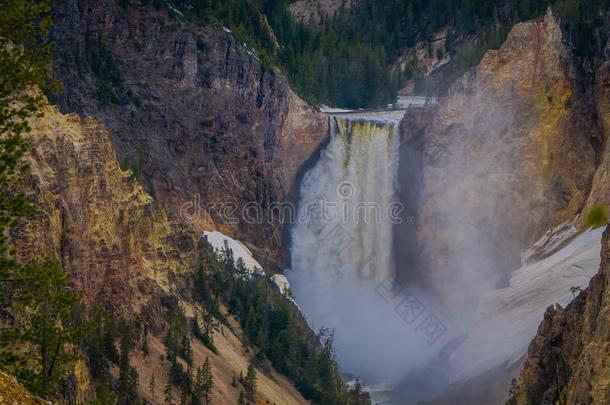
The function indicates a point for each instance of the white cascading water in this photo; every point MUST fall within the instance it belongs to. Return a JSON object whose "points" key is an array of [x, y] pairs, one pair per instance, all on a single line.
{"points": [[342, 246]]}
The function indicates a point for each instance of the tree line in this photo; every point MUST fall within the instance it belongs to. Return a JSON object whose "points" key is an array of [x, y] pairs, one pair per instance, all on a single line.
{"points": [[346, 61], [272, 325]]}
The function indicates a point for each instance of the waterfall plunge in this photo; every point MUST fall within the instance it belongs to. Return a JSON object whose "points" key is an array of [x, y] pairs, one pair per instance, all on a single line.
{"points": [[342, 248]]}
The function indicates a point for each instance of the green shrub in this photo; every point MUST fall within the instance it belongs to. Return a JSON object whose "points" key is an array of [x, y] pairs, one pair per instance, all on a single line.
{"points": [[596, 216]]}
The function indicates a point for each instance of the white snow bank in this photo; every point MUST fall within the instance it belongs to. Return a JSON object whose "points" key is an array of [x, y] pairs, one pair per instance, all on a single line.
{"points": [[393, 114], [508, 318], [219, 240], [282, 282]]}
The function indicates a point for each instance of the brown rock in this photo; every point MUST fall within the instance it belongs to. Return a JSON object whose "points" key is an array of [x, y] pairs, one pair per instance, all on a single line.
{"points": [[568, 359], [191, 109], [315, 11]]}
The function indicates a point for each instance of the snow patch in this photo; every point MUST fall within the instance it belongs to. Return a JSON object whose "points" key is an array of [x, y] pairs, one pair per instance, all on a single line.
{"points": [[414, 101], [330, 110], [508, 318], [282, 282], [219, 241], [381, 117]]}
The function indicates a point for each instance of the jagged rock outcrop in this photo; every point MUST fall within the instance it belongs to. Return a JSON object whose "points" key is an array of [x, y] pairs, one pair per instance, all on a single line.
{"points": [[191, 109], [568, 359], [108, 233], [316, 11], [512, 151]]}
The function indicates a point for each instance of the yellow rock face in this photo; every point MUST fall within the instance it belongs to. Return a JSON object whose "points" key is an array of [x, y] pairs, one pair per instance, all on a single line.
{"points": [[121, 249], [13, 393], [96, 218], [512, 152]]}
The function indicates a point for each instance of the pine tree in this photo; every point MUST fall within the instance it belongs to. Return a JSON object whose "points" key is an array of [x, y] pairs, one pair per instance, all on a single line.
{"points": [[168, 392], [152, 385], [204, 381], [43, 308], [128, 376], [187, 349], [37, 293], [250, 383], [24, 62], [145, 348]]}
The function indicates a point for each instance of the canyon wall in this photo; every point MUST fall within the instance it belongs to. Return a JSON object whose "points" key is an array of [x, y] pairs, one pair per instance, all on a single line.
{"points": [[190, 109], [518, 148], [567, 360], [511, 151], [128, 256], [11, 392], [107, 231]]}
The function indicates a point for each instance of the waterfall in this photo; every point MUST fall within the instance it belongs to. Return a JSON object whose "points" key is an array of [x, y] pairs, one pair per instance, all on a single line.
{"points": [[342, 245]]}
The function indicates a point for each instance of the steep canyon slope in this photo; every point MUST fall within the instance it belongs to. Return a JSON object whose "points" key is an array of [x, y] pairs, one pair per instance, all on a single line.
{"points": [[192, 110], [512, 151], [106, 229], [127, 255], [568, 359], [517, 149]]}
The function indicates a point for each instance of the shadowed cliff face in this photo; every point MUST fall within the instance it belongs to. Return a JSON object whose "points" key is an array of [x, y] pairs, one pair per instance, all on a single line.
{"points": [[190, 109], [511, 152], [567, 360]]}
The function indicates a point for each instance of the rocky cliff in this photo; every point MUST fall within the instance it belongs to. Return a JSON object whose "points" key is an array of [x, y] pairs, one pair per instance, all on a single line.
{"points": [[125, 253], [201, 121], [106, 229], [511, 152], [515, 151], [567, 360], [316, 11]]}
